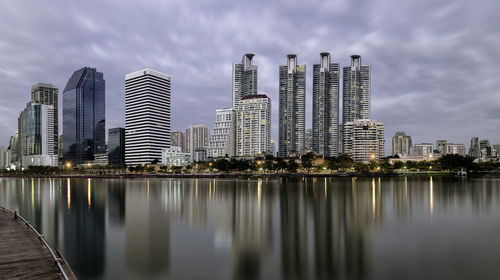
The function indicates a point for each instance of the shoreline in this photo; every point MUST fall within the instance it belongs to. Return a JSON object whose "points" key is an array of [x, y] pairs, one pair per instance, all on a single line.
{"points": [[251, 175]]}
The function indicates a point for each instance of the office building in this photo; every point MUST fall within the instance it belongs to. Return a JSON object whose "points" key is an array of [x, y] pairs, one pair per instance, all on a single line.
{"points": [[116, 146], [474, 151], [244, 78], [196, 136], [177, 139], [223, 138], [325, 117], [441, 146], [455, 149], [84, 117], [253, 126], [47, 94], [38, 136], [174, 156], [364, 140], [147, 116], [356, 91], [292, 111], [401, 144], [424, 149]]}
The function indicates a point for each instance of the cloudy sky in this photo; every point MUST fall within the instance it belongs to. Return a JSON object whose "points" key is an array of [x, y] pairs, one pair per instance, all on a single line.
{"points": [[435, 64]]}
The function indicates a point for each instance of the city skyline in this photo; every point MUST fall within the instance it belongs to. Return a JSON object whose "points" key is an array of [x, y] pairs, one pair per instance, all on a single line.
{"points": [[419, 81]]}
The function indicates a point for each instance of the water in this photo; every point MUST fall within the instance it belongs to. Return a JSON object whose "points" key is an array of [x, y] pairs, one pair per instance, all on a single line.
{"points": [[312, 228]]}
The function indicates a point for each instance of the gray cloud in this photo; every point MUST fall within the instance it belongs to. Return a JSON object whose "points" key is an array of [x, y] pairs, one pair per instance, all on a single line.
{"points": [[435, 63]]}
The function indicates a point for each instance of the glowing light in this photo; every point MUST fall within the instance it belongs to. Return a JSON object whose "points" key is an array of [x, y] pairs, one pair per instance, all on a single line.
{"points": [[88, 192], [69, 194], [68, 164], [431, 196], [374, 201]]}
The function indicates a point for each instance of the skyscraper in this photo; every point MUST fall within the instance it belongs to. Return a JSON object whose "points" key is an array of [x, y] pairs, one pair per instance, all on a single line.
{"points": [[84, 118], [253, 126], [38, 136], [147, 116], [356, 91], [244, 78], [474, 151], [196, 138], [223, 137], [401, 144], [292, 92], [177, 139], [47, 94], [364, 140], [325, 117], [116, 146]]}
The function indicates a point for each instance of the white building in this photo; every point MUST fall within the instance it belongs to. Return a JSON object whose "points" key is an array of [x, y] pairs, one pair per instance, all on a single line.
{"points": [[200, 155], [39, 160], [253, 125], [174, 156], [147, 116], [195, 137], [458, 149], [223, 138], [424, 149], [364, 140]]}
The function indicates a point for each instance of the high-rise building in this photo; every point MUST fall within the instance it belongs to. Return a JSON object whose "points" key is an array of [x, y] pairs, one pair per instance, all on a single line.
{"points": [[196, 137], [308, 140], [84, 116], [496, 147], [38, 136], [3, 157], [13, 148], [325, 117], [47, 94], [401, 144], [455, 149], [364, 140], [244, 78], [272, 148], [474, 151], [147, 116], [485, 148], [116, 146], [292, 92], [441, 146], [356, 91], [177, 140], [223, 138], [253, 126], [424, 149]]}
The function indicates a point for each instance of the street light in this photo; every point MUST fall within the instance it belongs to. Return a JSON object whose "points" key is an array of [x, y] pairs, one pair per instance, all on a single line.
{"points": [[68, 164]]}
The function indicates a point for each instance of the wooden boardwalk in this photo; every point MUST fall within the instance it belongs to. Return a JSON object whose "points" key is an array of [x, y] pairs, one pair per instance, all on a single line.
{"points": [[22, 255]]}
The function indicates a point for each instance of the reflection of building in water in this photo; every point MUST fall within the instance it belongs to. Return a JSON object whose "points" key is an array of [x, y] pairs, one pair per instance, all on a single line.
{"points": [[147, 228], [401, 197], [293, 229], [84, 229], [116, 201], [252, 227], [49, 193], [195, 197]]}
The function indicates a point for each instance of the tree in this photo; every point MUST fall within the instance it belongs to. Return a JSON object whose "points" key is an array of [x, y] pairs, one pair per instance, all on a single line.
{"points": [[307, 160], [398, 165], [292, 166], [281, 164]]}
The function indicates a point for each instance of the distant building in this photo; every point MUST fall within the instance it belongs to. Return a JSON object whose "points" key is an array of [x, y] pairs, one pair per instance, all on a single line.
{"points": [[3, 157], [38, 136], [200, 155], [196, 136], [15, 152], [496, 147], [47, 94], [174, 156], [485, 148], [116, 146], [455, 149], [253, 123], [84, 116], [272, 148], [292, 110], [364, 140], [474, 151], [244, 79], [60, 148], [325, 115], [356, 91], [406, 158], [308, 140], [223, 138], [147, 116], [441, 146], [424, 149], [401, 144], [177, 139]]}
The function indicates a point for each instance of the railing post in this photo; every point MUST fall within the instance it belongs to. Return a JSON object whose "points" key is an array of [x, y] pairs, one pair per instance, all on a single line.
{"points": [[15, 215]]}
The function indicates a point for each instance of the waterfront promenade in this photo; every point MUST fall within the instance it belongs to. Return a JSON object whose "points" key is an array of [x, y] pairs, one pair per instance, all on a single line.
{"points": [[25, 255]]}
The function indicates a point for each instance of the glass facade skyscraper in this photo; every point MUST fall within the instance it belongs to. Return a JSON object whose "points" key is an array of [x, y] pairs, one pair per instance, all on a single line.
{"points": [[47, 94], [244, 79], [84, 120], [356, 91], [116, 146], [292, 111]]}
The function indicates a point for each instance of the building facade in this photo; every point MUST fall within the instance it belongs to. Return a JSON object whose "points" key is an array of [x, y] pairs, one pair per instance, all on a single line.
{"points": [[177, 139], [325, 117], [116, 146], [424, 149], [223, 138], [364, 140], [195, 137], [147, 116], [47, 94], [485, 148], [244, 78], [356, 93], [174, 156], [84, 117], [455, 149], [292, 110], [3, 157], [474, 151], [253, 126], [401, 144]]}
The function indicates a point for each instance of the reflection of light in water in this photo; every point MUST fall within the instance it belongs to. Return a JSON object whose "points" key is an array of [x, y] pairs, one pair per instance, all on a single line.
{"points": [[259, 190], [196, 182], [32, 192], [210, 190], [147, 184], [374, 202], [69, 194], [325, 188], [431, 187], [88, 191]]}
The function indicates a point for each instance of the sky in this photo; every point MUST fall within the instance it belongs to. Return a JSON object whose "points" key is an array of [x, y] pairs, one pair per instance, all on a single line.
{"points": [[435, 64]]}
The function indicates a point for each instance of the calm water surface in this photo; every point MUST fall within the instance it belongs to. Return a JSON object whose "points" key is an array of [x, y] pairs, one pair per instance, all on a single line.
{"points": [[313, 228]]}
